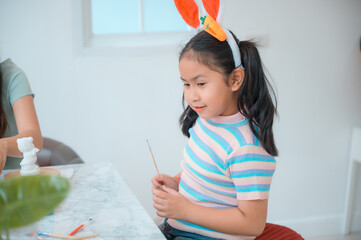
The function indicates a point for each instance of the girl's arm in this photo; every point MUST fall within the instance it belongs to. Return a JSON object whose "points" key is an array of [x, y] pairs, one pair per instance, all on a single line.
{"points": [[248, 219], [28, 126]]}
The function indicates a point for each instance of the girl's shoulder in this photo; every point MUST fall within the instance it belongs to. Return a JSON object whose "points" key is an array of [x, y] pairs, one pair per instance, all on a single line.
{"points": [[231, 135], [251, 149], [251, 154], [10, 70], [12, 74], [15, 83]]}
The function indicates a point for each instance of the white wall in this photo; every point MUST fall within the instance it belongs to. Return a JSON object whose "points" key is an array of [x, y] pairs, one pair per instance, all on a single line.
{"points": [[106, 106]]}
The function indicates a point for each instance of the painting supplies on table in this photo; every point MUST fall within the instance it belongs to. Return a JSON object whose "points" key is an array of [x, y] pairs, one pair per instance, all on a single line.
{"points": [[63, 236], [153, 158]]}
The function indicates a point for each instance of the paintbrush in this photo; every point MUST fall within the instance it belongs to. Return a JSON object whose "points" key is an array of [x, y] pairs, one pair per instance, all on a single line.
{"points": [[155, 164]]}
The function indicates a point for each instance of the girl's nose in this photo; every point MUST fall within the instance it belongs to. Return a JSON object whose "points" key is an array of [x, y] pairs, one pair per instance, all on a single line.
{"points": [[194, 95]]}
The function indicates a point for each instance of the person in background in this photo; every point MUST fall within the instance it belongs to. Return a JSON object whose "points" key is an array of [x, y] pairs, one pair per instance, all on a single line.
{"points": [[18, 117]]}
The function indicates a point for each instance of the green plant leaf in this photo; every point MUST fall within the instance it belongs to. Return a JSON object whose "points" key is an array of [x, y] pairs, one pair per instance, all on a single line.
{"points": [[24, 200]]}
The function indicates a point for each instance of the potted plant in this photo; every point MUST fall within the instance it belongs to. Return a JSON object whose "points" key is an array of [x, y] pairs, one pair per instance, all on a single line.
{"points": [[25, 200]]}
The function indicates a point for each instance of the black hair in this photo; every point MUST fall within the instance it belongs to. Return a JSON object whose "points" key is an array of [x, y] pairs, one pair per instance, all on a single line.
{"points": [[3, 121], [255, 101]]}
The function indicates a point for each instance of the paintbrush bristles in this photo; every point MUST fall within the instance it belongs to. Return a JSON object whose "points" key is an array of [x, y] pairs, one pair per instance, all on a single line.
{"points": [[155, 164]]}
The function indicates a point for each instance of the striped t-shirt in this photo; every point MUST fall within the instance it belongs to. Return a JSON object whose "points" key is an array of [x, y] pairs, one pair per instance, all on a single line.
{"points": [[223, 163]]}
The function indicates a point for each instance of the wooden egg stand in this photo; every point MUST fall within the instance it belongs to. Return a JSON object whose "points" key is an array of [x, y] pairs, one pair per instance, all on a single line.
{"points": [[43, 171]]}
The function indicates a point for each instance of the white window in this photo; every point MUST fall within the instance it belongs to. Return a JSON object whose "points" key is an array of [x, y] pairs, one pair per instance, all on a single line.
{"points": [[131, 23]]}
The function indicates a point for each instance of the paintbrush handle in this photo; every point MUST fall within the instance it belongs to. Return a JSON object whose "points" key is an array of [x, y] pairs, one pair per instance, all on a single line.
{"points": [[89, 236], [63, 236], [155, 164], [56, 235]]}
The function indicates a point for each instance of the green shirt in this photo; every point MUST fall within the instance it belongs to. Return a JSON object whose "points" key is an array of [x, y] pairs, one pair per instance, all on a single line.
{"points": [[15, 85]]}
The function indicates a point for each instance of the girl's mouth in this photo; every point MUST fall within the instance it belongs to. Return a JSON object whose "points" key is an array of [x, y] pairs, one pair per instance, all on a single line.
{"points": [[198, 109]]}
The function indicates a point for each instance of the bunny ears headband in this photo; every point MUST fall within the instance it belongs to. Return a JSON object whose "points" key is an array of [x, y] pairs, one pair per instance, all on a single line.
{"points": [[191, 12]]}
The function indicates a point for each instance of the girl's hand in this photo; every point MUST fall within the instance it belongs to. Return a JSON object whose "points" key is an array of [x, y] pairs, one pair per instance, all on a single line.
{"points": [[3, 154], [170, 203], [163, 179]]}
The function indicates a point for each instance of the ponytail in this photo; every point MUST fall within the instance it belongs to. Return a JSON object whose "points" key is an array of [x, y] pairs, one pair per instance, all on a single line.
{"points": [[254, 100]]}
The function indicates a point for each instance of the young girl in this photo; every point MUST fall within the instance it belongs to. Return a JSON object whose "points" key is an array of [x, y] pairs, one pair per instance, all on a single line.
{"points": [[229, 158], [17, 114]]}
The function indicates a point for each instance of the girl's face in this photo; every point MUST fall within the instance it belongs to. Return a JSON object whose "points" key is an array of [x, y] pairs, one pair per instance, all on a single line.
{"points": [[206, 91]]}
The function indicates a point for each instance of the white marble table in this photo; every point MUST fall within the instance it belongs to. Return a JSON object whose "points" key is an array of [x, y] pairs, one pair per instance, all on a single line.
{"points": [[97, 192]]}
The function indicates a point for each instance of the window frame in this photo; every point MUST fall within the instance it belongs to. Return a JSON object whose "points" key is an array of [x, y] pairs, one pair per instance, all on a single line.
{"points": [[126, 41]]}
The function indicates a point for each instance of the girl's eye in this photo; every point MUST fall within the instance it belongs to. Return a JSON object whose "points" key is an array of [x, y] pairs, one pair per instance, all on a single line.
{"points": [[186, 84], [201, 84]]}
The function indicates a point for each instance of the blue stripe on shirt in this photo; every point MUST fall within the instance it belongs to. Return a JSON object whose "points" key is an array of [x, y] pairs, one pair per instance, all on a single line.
{"points": [[238, 135], [215, 182], [253, 188], [250, 157], [200, 196], [217, 160], [216, 137], [195, 226], [233, 195], [201, 163]]}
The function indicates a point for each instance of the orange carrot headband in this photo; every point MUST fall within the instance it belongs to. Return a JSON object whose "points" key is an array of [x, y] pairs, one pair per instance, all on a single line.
{"points": [[190, 12]]}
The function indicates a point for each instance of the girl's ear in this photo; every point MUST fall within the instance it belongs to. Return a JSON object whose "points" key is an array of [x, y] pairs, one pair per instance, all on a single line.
{"points": [[236, 79]]}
